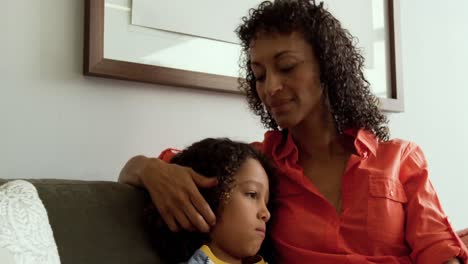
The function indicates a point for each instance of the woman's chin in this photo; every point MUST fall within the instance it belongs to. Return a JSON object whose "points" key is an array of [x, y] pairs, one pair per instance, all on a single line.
{"points": [[285, 123]]}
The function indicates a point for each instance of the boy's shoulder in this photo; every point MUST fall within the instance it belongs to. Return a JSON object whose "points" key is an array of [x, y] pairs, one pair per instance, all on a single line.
{"points": [[204, 255], [199, 257]]}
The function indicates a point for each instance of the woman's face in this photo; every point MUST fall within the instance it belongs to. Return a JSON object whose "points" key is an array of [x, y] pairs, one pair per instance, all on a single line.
{"points": [[287, 77], [240, 229]]}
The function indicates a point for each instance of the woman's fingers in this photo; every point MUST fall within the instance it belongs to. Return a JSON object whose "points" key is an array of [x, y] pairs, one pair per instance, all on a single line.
{"points": [[175, 194], [168, 219], [196, 219], [200, 204], [203, 182], [182, 220], [204, 216]]}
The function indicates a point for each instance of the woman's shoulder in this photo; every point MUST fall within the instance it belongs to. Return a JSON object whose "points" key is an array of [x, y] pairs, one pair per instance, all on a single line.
{"points": [[409, 154], [405, 146], [271, 137], [395, 147]]}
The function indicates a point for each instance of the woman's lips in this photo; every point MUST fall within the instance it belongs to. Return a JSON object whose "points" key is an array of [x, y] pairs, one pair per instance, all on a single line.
{"points": [[279, 105]]}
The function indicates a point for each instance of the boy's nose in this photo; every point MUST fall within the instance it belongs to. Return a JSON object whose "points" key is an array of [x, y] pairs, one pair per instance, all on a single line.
{"points": [[264, 214]]}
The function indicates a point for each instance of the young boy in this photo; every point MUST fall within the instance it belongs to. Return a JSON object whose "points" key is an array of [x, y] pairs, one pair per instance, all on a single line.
{"points": [[239, 201]]}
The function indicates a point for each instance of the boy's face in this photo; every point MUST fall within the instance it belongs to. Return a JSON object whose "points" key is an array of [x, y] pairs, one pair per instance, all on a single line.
{"points": [[240, 228]]}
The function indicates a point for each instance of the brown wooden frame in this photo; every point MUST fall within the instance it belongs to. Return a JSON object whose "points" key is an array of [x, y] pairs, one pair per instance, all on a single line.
{"points": [[96, 65]]}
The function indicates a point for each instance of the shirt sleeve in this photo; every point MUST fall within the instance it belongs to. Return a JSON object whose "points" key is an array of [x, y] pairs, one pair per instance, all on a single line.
{"points": [[258, 146], [428, 230], [167, 154]]}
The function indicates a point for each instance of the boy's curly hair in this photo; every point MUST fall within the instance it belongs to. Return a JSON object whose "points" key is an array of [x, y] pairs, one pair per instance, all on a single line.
{"points": [[220, 158], [352, 104]]}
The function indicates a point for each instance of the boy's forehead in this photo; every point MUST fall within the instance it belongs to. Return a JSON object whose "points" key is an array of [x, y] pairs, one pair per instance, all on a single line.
{"points": [[251, 172], [249, 182]]}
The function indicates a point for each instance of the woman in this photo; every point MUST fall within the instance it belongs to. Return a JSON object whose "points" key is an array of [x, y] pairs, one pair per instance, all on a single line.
{"points": [[346, 193]]}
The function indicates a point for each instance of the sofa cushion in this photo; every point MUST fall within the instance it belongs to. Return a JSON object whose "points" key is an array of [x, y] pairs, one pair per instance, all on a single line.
{"points": [[25, 233], [96, 221]]}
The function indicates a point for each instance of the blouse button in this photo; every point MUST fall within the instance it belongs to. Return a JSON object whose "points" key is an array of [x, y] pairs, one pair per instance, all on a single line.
{"points": [[392, 193]]}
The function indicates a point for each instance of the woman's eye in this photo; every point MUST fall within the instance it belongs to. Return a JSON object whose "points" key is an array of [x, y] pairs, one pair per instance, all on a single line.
{"points": [[260, 78], [287, 69], [252, 195]]}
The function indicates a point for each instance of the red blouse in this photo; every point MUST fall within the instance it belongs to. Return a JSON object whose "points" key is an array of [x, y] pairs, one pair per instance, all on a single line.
{"points": [[390, 211]]}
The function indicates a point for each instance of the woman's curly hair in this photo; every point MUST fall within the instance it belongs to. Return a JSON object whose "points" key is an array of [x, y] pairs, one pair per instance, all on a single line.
{"points": [[211, 157], [351, 102]]}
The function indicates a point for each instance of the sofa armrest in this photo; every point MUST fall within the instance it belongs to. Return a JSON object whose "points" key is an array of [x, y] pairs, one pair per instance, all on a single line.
{"points": [[97, 222]]}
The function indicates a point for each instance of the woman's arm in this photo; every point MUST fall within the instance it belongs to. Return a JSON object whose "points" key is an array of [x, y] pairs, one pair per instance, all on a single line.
{"points": [[428, 231], [131, 172], [173, 190]]}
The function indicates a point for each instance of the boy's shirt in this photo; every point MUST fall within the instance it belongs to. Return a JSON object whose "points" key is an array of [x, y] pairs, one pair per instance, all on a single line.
{"points": [[204, 255]]}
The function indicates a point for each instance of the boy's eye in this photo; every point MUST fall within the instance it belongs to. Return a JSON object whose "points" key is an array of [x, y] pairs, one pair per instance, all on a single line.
{"points": [[252, 195]]}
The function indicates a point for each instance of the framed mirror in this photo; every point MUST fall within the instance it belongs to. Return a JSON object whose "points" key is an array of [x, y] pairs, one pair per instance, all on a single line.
{"points": [[143, 40]]}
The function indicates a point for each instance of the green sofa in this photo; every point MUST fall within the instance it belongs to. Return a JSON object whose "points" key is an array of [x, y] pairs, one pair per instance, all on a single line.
{"points": [[97, 222]]}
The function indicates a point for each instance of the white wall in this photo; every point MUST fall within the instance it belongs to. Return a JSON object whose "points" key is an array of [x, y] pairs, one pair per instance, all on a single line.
{"points": [[56, 123], [435, 67]]}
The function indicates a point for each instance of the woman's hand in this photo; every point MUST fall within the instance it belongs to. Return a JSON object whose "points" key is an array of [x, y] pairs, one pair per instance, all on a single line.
{"points": [[174, 192]]}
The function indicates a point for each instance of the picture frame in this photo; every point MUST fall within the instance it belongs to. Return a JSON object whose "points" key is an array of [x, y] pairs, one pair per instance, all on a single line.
{"points": [[95, 64]]}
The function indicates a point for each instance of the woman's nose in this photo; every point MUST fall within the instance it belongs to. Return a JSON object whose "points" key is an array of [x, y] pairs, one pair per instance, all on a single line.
{"points": [[273, 84]]}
